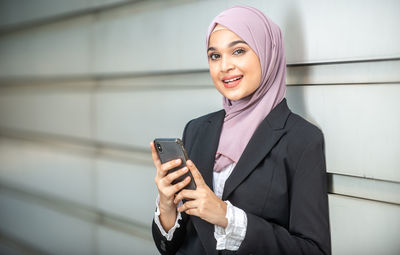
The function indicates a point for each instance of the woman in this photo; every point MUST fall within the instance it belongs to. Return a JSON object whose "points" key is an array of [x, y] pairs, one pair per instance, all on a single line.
{"points": [[259, 168]]}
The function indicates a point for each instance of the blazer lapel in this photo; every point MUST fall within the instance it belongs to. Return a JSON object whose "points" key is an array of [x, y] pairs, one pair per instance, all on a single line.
{"points": [[268, 133], [265, 137], [205, 148], [204, 157]]}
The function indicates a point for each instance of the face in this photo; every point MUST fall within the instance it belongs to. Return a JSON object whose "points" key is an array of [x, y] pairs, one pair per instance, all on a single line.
{"points": [[234, 67]]}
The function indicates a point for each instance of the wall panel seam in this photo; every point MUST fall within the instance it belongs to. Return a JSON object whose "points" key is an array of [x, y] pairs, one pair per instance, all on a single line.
{"points": [[46, 79], [118, 152], [34, 23], [96, 216], [77, 210]]}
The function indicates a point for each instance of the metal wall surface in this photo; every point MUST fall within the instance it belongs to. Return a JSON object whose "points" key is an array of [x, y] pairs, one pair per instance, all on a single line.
{"points": [[86, 85]]}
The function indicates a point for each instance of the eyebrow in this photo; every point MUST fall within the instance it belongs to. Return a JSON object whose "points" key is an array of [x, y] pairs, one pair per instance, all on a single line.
{"points": [[231, 44]]}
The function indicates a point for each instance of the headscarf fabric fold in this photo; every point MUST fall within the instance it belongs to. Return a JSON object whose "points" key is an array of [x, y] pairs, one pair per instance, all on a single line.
{"points": [[243, 116]]}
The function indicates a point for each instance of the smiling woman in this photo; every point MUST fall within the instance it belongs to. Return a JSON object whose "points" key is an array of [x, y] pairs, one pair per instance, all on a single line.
{"points": [[234, 67], [259, 168]]}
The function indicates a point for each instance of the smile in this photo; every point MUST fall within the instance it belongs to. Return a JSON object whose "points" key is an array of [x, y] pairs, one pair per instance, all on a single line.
{"points": [[232, 82]]}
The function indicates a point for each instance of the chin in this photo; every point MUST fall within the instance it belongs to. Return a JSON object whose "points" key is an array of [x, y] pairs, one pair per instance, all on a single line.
{"points": [[233, 97], [231, 94]]}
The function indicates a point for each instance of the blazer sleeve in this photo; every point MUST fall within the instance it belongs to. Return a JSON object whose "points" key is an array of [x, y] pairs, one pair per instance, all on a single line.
{"points": [[308, 231], [170, 247], [163, 245]]}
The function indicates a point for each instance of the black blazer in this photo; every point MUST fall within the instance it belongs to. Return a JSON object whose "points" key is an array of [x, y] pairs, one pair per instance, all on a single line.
{"points": [[279, 181]]}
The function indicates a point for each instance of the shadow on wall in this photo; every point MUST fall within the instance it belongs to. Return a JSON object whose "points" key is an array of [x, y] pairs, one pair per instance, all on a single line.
{"points": [[295, 48], [295, 54]]}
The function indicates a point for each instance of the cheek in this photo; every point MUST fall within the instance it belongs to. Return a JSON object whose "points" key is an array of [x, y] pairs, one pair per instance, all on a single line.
{"points": [[254, 71], [214, 75], [257, 75], [255, 81]]}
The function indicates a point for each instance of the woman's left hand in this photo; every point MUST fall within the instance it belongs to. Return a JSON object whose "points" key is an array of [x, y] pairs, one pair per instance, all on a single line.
{"points": [[202, 202]]}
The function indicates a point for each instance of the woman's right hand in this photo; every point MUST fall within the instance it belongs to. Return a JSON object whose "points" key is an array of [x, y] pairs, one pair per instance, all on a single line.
{"points": [[166, 189]]}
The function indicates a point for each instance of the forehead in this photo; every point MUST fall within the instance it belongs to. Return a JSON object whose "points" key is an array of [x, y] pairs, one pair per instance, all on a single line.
{"points": [[221, 37], [219, 27]]}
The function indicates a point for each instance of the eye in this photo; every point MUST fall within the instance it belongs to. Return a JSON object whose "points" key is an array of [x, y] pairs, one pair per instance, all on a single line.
{"points": [[214, 56], [239, 51]]}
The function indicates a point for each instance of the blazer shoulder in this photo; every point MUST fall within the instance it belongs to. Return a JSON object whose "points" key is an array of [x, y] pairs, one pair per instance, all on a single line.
{"points": [[207, 117], [302, 138], [194, 125], [197, 122], [302, 128], [302, 135]]}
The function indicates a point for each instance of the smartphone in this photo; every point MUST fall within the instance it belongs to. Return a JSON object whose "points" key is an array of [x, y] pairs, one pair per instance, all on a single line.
{"points": [[172, 148]]}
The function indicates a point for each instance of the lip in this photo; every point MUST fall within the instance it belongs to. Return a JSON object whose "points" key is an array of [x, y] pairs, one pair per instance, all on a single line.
{"points": [[231, 84], [230, 77]]}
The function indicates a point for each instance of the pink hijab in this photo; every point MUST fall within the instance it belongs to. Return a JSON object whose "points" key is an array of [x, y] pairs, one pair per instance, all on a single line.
{"points": [[243, 116]]}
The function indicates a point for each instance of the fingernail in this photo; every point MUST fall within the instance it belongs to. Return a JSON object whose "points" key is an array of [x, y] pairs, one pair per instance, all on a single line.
{"points": [[177, 161], [189, 162], [184, 169]]}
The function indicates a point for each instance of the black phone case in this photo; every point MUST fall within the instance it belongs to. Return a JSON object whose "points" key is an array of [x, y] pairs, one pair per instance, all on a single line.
{"points": [[172, 148]]}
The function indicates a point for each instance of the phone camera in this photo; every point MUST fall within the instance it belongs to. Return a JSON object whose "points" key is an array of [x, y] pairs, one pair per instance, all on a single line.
{"points": [[159, 148]]}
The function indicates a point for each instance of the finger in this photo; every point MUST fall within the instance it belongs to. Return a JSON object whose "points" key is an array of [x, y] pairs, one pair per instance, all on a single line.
{"points": [[198, 179], [180, 185], [171, 190], [193, 211], [186, 193], [172, 176], [188, 205], [169, 165]]}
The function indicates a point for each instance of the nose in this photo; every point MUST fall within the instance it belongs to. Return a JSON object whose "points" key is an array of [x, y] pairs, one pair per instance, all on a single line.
{"points": [[226, 64]]}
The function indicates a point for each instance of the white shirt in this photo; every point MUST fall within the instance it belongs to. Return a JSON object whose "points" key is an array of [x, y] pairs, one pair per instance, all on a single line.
{"points": [[228, 238]]}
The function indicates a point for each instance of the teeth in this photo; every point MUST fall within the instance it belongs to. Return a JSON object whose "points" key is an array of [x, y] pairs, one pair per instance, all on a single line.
{"points": [[231, 80]]}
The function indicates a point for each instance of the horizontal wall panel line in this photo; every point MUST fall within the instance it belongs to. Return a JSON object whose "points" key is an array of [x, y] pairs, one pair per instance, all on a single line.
{"points": [[93, 148], [351, 61], [364, 178], [363, 198], [80, 146], [345, 83], [19, 246], [112, 87], [95, 77], [95, 216], [34, 23], [77, 210], [346, 73], [365, 188], [349, 185]]}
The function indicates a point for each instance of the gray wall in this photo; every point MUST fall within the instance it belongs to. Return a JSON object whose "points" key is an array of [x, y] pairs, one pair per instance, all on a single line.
{"points": [[86, 85]]}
